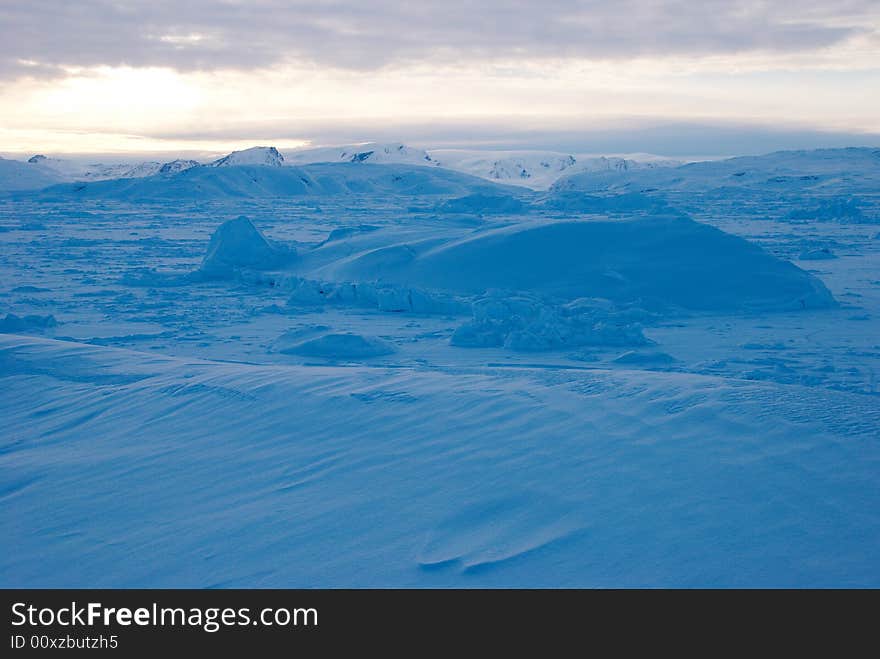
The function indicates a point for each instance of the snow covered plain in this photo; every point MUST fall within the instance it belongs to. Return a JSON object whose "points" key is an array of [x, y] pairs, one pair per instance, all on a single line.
{"points": [[399, 375]]}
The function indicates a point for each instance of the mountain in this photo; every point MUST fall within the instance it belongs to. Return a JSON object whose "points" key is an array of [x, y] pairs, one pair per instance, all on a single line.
{"points": [[257, 181], [532, 169], [855, 169], [372, 153], [177, 166], [257, 155], [535, 169], [73, 170], [143, 170]]}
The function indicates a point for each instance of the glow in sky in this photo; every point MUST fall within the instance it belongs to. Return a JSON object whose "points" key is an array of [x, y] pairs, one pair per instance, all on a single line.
{"points": [[103, 76]]}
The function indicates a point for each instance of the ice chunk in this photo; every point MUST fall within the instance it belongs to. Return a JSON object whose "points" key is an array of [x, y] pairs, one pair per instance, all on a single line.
{"points": [[239, 244]]}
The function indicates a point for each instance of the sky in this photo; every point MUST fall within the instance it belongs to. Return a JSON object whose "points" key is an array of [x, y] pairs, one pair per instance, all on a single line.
{"points": [[673, 77]]}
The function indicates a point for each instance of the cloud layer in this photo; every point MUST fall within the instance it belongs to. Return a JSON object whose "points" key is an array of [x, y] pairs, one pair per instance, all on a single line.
{"points": [[43, 37]]}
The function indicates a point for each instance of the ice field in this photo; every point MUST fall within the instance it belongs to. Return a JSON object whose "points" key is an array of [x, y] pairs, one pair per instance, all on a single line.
{"points": [[411, 368]]}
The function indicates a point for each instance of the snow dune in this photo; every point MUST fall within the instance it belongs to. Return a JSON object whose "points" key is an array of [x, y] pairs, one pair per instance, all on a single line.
{"points": [[125, 469]]}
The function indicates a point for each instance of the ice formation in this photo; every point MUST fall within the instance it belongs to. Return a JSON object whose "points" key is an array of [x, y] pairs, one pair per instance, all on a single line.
{"points": [[524, 323], [666, 261], [238, 244]]}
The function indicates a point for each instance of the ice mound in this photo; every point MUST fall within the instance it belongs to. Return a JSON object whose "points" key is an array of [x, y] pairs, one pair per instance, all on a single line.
{"points": [[339, 346], [528, 324], [664, 262], [239, 244], [483, 204], [821, 254], [13, 323]]}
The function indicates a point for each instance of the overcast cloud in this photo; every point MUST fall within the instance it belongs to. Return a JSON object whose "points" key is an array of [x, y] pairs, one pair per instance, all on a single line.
{"points": [[39, 36]]}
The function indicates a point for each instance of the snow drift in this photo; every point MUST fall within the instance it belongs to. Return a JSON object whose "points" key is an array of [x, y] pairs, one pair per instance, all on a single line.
{"points": [[664, 261]]}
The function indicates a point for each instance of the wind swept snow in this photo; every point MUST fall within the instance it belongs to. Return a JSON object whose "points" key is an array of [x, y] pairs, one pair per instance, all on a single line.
{"points": [[308, 476]]}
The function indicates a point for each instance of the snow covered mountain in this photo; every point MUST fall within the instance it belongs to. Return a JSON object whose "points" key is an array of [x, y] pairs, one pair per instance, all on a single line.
{"points": [[257, 181], [536, 169], [257, 155], [143, 170], [844, 170], [532, 169], [177, 166], [72, 170], [376, 154]]}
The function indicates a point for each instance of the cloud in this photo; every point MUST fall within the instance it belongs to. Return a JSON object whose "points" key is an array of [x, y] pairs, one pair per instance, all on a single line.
{"points": [[48, 37]]}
